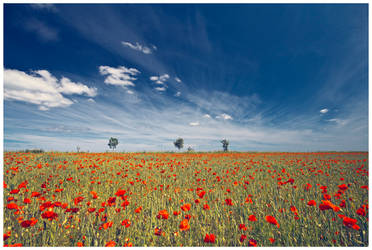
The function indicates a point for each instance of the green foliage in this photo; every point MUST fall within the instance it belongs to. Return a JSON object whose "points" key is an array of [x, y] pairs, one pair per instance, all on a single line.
{"points": [[113, 142], [178, 143], [225, 144]]}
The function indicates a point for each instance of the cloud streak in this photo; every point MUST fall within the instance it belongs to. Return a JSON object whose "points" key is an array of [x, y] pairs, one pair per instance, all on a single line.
{"points": [[139, 47], [143, 126], [42, 30]]}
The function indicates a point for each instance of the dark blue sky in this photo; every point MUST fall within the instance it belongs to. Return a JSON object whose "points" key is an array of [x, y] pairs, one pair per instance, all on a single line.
{"points": [[267, 77]]}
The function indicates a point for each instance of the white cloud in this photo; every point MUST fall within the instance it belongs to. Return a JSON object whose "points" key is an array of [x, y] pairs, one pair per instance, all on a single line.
{"points": [[91, 100], [177, 79], [323, 111], [178, 94], [160, 79], [130, 92], [207, 116], [194, 123], [119, 76], [139, 47], [224, 116], [69, 88], [42, 88], [161, 88]]}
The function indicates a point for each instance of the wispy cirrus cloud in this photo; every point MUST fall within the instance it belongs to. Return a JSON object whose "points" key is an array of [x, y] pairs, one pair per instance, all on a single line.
{"points": [[224, 116], [177, 79], [142, 48], [121, 75], [40, 87], [42, 30], [44, 6], [144, 126]]}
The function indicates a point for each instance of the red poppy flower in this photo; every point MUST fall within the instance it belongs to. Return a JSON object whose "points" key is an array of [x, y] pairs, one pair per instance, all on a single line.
{"points": [[229, 202], [327, 196], [120, 192], [350, 222], [342, 203], [35, 194], [242, 237], [343, 187], [307, 186], [206, 207], [80, 244], [252, 218], [361, 211], [126, 223], [186, 207], [159, 232], [201, 194], [326, 205], [49, 215], [138, 210], [26, 223], [111, 201], [94, 195], [110, 244], [294, 210], [45, 205], [272, 240], [14, 191], [77, 200], [184, 226], [16, 245], [252, 243], [163, 214], [107, 224], [209, 238], [6, 235], [12, 206], [311, 203], [272, 220], [242, 227]]}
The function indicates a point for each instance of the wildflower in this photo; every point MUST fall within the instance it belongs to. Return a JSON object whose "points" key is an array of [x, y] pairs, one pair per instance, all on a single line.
{"points": [[272, 220], [184, 226], [252, 218], [110, 244], [163, 214], [209, 238], [311, 203], [186, 207]]}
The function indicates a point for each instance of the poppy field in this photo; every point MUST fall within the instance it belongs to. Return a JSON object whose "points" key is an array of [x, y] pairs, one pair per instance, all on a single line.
{"points": [[185, 199]]}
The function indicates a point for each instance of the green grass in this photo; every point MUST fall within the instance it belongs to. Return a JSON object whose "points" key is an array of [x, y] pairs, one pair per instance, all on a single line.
{"points": [[158, 181]]}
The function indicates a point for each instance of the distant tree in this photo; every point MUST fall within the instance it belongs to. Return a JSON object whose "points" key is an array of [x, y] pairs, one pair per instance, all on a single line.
{"points": [[113, 142], [225, 144], [78, 149], [178, 143], [190, 149]]}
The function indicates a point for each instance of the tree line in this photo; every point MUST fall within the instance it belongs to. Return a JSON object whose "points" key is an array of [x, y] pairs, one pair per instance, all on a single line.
{"points": [[178, 143]]}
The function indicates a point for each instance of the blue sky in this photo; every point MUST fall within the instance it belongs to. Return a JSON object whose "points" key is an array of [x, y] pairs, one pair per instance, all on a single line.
{"points": [[265, 77]]}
